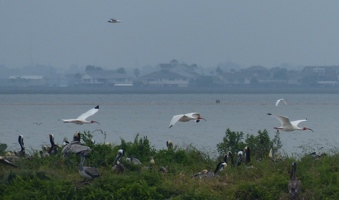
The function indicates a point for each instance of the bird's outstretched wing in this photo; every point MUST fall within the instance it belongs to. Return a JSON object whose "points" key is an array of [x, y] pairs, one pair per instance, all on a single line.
{"points": [[175, 119], [296, 122], [89, 113], [283, 120]]}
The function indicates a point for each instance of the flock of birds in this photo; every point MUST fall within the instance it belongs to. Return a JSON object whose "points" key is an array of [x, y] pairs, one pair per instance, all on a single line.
{"points": [[87, 172], [286, 124], [75, 147]]}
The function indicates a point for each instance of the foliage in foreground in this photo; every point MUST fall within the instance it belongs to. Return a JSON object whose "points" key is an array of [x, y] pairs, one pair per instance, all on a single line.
{"points": [[57, 178]]}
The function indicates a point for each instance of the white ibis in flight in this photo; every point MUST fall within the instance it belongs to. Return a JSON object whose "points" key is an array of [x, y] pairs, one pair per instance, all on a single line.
{"points": [[82, 118], [185, 118], [280, 100], [288, 126]]}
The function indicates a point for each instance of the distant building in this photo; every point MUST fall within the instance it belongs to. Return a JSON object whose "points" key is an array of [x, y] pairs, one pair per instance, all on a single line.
{"points": [[164, 78], [27, 81], [106, 77], [172, 74], [320, 75]]}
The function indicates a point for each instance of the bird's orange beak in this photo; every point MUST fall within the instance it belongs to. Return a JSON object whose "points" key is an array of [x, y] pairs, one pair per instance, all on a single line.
{"points": [[202, 118], [95, 122]]}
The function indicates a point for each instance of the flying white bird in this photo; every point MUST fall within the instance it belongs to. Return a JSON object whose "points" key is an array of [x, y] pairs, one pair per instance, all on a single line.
{"points": [[288, 126], [279, 100], [185, 118], [82, 118], [113, 21]]}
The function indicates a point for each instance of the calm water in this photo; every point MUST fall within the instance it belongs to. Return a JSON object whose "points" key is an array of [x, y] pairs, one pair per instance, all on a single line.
{"points": [[123, 116]]}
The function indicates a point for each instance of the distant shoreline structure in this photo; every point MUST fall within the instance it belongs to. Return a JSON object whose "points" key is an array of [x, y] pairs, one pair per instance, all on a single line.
{"points": [[170, 90]]}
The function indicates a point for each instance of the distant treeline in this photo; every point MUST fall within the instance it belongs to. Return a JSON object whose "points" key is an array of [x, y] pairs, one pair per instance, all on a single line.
{"points": [[233, 89]]}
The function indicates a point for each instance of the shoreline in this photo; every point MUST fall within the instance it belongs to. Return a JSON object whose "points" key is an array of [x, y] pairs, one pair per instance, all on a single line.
{"points": [[169, 90]]}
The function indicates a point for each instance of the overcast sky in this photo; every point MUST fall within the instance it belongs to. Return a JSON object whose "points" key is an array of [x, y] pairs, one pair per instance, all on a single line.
{"points": [[63, 33]]}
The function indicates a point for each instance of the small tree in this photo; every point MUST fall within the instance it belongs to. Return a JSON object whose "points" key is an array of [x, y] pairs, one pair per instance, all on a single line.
{"points": [[260, 144], [231, 142]]}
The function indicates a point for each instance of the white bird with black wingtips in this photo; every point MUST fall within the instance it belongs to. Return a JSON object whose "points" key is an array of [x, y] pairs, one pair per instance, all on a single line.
{"points": [[288, 126], [185, 118], [82, 118]]}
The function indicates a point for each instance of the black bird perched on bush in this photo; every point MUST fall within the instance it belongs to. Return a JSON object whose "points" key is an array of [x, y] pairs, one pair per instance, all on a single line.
{"points": [[120, 154], [228, 158], [77, 136], [294, 185], [117, 166], [22, 152], [54, 148], [220, 166], [246, 154], [169, 145]]}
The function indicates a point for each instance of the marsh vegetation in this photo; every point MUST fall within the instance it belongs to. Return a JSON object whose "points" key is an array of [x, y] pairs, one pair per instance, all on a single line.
{"points": [[55, 177]]}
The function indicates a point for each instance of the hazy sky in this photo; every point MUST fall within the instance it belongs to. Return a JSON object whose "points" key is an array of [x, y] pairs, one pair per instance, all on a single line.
{"points": [[63, 32]]}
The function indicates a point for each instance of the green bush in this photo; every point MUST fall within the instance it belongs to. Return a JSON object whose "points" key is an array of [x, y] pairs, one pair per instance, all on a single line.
{"points": [[55, 177], [260, 144]]}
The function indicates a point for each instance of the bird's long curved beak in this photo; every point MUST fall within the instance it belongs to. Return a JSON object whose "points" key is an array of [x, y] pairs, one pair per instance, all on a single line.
{"points": [[202, 118], [310, 129]]}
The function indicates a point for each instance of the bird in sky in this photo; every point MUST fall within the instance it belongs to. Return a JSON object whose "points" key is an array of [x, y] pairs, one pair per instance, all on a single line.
{"points": [[82, 118], [288, 126], [185, 118], [280, 100], [112, 20]]}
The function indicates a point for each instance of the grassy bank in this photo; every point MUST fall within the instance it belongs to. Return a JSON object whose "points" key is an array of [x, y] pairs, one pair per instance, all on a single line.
{"points": [[54, 177]]}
